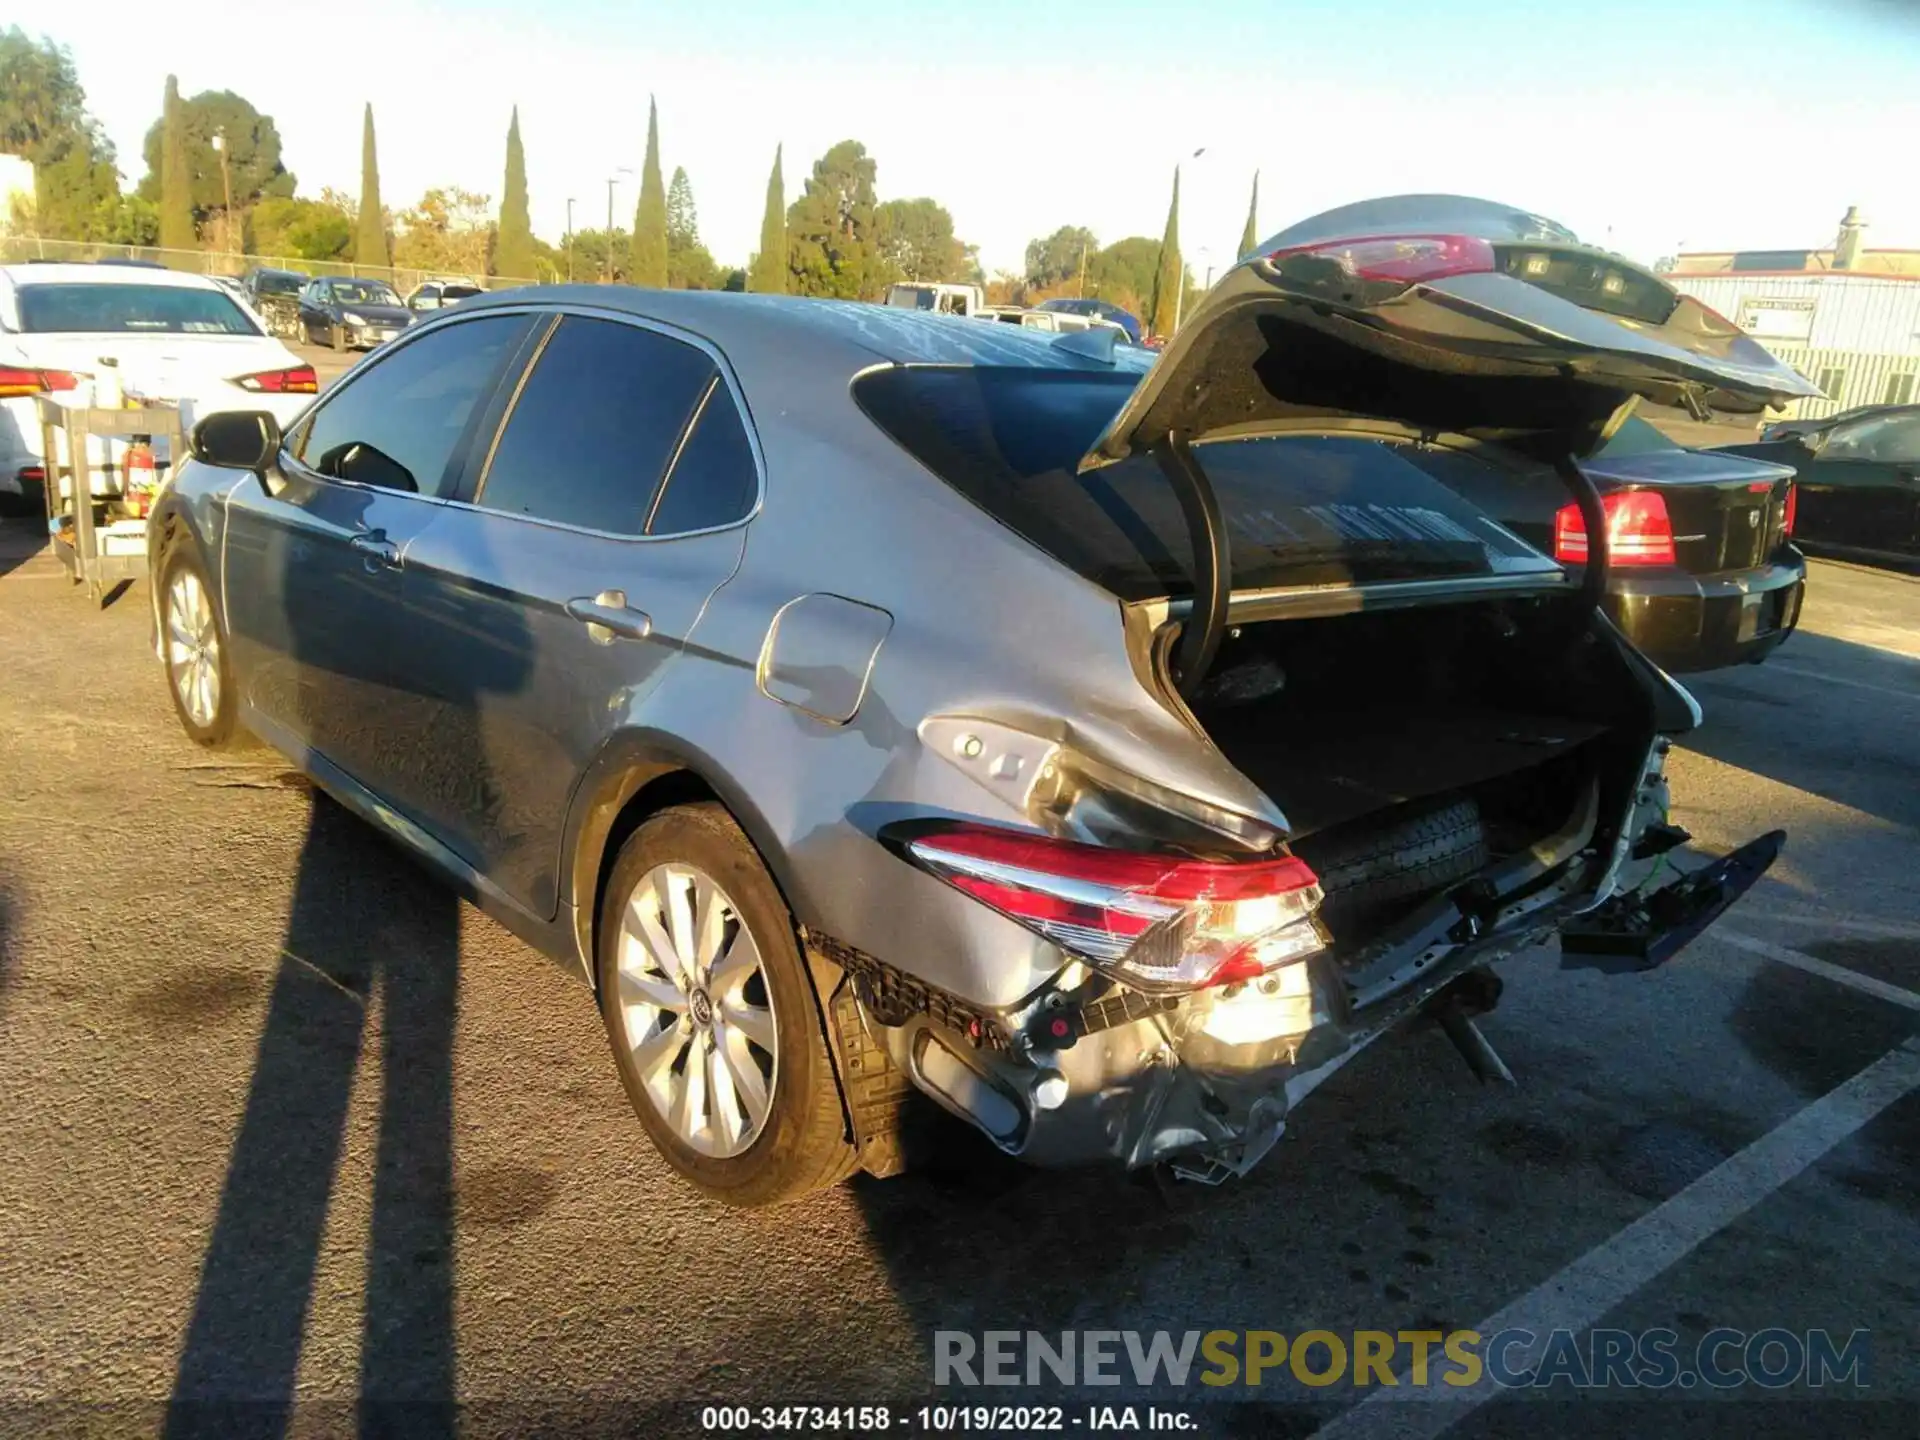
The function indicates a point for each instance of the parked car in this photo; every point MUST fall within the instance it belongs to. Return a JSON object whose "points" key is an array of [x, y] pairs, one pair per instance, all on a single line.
{"points": [[169, 337], [348, 314], [1858, 492], [863, 702], [1702, 570], [1053, 322], [438, 294], [275, 296], [1103, 309]]}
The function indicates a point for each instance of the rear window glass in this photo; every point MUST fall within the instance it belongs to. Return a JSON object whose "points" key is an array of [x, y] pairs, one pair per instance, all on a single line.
{"points": [[1299, 510], [130, 309]]}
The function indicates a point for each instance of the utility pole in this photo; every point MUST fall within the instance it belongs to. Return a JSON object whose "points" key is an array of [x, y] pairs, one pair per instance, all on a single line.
{"points": [[570, 239], [1083, 269], [226, 191], [612, 180]]}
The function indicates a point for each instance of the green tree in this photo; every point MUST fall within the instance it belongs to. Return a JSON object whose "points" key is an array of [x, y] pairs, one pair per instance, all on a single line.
{"points": [[299, 229], [831, 248], [768, 275], [176, 191], [513, 255], [647, 264], [590, 251], [1056, 258], [42, 107], [448, 233], [915, 241], [370, 241], [1163, 305], [689, 264], [253, 169], [1250, 237]]}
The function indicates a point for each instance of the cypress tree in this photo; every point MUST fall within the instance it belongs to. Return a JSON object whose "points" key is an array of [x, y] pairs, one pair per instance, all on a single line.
{"points": [[176, 183], [1250, 237], [513, 254], [649, 254], [370, 243], [769, 275], [1164, 308]]}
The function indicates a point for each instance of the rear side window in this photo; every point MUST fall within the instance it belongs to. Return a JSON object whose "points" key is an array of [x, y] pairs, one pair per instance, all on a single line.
{"points": [[596, 423], [714, 481], [397, 423], [1299, 510]]}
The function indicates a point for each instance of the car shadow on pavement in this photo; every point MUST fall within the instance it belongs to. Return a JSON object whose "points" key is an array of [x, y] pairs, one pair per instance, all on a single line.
{"points": [[1846, 739], [21, 541], [371, 942]]}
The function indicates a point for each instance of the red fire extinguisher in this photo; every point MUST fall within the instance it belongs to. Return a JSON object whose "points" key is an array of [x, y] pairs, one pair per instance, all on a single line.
{"points": [[141, 477]]}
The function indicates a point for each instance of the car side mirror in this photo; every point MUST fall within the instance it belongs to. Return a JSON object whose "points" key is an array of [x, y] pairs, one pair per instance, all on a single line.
{"points": [[236, 440]]}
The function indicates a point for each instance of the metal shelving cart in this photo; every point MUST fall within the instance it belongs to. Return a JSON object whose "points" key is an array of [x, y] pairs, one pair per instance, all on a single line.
{"points": [[96, 556]]}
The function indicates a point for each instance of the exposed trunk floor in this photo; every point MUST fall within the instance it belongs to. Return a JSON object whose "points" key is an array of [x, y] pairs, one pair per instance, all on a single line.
{"points": [[1325, 767]]}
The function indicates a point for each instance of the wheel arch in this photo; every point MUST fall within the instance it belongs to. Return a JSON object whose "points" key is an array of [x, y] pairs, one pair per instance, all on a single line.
{"points": [[637, 775]]}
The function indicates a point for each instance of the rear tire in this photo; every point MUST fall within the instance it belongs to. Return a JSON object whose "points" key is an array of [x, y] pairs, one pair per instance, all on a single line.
{"points": [[689, 1011]]}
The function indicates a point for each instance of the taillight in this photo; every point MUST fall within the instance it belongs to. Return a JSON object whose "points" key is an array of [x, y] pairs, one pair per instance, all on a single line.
{"points": [[16, 382], [295, 380], [1793, 508], [1638, 530], [1159, 923], [1403, 257]]}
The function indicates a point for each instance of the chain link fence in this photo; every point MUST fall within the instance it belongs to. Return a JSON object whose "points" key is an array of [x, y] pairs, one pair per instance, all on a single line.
{"points": [[25, 249]]}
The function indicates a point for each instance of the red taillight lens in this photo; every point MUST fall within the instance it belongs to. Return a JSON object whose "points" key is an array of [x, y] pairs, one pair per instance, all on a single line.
{"points": [[1793, 508], [1404, 257], [296, 380], [16, 382], [1638, 530], [1159, 923]]}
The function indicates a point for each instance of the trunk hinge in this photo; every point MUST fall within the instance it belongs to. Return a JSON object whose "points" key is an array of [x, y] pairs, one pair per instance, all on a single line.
{"points": [[1212, 562]]}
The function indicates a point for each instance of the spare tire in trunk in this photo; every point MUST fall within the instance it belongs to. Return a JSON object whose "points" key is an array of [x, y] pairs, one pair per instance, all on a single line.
{"points": [[1376, 869]]}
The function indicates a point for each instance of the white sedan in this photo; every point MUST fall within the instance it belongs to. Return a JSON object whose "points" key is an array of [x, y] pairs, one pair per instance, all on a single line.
{"points": [[154, 336]]}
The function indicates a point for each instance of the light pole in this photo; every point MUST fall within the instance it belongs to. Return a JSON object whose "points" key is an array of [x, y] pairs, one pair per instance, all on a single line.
{"points": [[570, 239], [226, 190], [1180, 281], [612, 180]]}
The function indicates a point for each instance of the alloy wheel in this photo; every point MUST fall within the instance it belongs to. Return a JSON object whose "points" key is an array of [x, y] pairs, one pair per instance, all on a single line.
{"points": [[193, 648], [696, 1009]]}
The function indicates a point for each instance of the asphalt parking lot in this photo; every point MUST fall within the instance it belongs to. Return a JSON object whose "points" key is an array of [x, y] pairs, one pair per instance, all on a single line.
{"points": [[186, 1011]]}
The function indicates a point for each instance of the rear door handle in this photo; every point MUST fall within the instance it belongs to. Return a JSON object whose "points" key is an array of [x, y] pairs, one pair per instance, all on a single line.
{"points": [[373, 547], [607, 616]]}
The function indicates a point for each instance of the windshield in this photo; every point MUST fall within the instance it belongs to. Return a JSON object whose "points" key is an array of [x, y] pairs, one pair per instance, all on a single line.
{"points": [[279, 284], [364, 292], [130, 309], [910, 297]]}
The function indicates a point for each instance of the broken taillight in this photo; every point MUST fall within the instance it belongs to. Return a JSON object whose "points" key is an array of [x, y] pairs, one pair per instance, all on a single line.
{"points": [[1639, 531], [1403, 257], [1159, 923]]}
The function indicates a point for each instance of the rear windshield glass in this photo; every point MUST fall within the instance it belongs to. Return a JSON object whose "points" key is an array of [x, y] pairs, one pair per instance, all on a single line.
{"points": [[1299, 510], [134, 309], [280, 284]]}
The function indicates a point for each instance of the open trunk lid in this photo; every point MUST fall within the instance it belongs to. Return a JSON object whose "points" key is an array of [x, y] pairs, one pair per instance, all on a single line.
{"points": [[1441, 315]]}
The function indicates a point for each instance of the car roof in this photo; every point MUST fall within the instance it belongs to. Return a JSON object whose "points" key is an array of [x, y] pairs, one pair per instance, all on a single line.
{"points": [[846, 335], [104, 275]]}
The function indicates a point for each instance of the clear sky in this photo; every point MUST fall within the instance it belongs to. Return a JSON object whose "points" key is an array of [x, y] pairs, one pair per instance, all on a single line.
{"points": [[1718, 123]]}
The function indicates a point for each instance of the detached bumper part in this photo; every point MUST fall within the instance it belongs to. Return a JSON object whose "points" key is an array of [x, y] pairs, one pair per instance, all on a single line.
{"points": [[1640, 930]]}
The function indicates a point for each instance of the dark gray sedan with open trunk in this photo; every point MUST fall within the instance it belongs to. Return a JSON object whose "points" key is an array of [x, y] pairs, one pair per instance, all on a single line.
{"points": [[874, 707]]}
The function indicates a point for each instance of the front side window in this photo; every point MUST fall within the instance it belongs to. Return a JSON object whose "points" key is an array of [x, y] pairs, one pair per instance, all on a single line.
{"points": [[595, 426], [397, 423], [130, 310]]}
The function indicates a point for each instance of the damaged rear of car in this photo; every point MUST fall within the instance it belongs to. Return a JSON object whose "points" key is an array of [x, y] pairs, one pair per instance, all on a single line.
{"points": [[1412, 744]]}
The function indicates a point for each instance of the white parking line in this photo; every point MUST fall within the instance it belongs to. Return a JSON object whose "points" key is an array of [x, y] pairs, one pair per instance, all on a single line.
{"points": [[1598, 1281], [1850, 684], [1814, 965]]}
